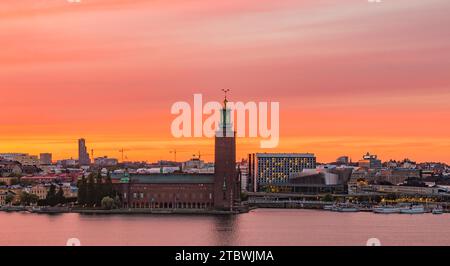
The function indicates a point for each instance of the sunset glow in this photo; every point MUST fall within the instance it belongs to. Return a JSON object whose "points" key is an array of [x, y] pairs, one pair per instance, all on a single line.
{"points": [[351, 76]]}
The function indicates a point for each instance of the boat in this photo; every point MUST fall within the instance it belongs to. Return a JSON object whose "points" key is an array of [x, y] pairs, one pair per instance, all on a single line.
{"points": [[348, 209], [437, 211], [417, 209], [13, 208], [328, 207], [386, 209], [345, 208], [51, 210]]}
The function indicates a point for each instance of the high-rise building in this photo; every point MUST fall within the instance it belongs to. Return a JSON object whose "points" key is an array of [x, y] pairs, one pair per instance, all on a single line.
{"points": [[276, 168], [226, 179], [45, 158], [83, 155]]}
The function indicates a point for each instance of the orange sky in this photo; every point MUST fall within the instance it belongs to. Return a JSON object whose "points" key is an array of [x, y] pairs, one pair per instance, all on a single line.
{"points": [[351, 76]]}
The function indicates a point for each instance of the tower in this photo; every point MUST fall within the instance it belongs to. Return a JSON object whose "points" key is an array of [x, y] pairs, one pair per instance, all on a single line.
{"points": [[226, 185], [83, 155]]}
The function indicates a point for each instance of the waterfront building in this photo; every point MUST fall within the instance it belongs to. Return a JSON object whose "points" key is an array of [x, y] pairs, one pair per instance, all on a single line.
{"points": [[165, 191], [323, 179], [274, 169], [218, 191], [83, 155]]}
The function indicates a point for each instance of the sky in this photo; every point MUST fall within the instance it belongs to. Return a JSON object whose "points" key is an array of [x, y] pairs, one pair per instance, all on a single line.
{"points": [[351, 76]]}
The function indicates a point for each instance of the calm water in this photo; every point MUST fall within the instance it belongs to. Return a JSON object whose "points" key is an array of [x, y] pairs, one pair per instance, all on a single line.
{"points": [[260, 227]]}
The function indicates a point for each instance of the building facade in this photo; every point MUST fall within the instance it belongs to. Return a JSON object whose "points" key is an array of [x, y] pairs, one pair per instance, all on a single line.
{"points": [[370, 161], [45, 158], [218, 191], [274, 169], [83, 155]]}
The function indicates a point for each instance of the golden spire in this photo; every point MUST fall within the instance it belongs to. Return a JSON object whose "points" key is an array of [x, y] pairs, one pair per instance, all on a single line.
{"points": [[225, 101]]}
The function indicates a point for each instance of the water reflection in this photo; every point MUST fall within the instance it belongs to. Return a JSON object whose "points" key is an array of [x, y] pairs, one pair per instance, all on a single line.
{"points": [[226, 228], [264, 227]]}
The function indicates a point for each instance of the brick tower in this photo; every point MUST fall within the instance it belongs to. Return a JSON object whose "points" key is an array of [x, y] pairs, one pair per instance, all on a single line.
{"points": [[226, 180]]}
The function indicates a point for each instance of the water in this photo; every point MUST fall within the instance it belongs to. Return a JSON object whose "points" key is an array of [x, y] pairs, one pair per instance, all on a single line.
{"points": [[262, 227]]}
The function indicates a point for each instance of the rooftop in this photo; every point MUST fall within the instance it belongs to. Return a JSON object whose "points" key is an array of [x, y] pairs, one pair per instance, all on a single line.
{"points": [[167, 178], [282, 155]]}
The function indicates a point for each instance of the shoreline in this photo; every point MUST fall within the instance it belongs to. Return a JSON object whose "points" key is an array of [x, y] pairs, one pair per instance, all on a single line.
{"points": [[58, 210]]}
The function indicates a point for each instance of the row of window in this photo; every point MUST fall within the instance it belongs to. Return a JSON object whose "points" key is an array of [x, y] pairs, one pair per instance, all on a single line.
{"points": [[142, 195], [170, 205]]}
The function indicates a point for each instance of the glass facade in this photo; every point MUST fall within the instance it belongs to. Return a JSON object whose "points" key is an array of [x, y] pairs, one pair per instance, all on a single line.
{"points": [[277, 168]]}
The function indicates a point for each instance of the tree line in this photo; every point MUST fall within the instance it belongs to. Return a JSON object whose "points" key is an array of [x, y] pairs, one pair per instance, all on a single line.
{"points": [[93, 189]]}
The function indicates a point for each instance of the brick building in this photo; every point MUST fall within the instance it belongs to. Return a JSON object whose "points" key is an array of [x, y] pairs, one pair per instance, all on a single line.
{"points": [[219, 191]]}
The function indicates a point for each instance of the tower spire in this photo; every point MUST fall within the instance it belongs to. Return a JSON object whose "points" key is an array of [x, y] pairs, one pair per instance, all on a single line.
{"points": [[225, 100]]}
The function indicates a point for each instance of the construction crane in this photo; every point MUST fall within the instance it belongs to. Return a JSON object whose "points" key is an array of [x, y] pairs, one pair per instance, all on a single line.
{"points": [[174, 154], [122, 151]]}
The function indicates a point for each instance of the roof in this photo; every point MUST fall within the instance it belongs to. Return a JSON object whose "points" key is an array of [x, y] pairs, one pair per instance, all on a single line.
{"points": [[166, 178], [282, 155]]}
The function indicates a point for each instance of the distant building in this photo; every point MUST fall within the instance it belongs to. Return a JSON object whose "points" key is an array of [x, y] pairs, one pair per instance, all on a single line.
{"points": [[195, 165], [343, 160], [22, 158], [11, 156], [276, 168], [105, 161], [67, 163], [83, 155], [10, 168], [8, 180], [243, 170], [45, 158], [370, 161]]}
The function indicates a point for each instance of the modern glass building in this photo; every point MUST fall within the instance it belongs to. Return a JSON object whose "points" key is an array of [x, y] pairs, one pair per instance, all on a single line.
{"points": [[277, 168]]}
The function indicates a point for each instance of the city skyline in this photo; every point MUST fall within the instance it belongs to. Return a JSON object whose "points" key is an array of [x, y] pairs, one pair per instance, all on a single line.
{"points": [[350, 76]]}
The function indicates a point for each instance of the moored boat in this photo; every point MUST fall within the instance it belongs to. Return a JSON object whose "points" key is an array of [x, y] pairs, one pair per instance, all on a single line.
{"points": [[418, 209], [328, 207], [437, 211], [386, 209], [348, 209]]}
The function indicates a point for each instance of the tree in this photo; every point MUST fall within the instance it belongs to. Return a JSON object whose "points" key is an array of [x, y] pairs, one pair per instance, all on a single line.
{"points": [[328, 198], [60, 199], [82, 191], [90, 199], [27, 198], [51, 198], [107, 203], [99, 194], [108, 186], [9, 199]]}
